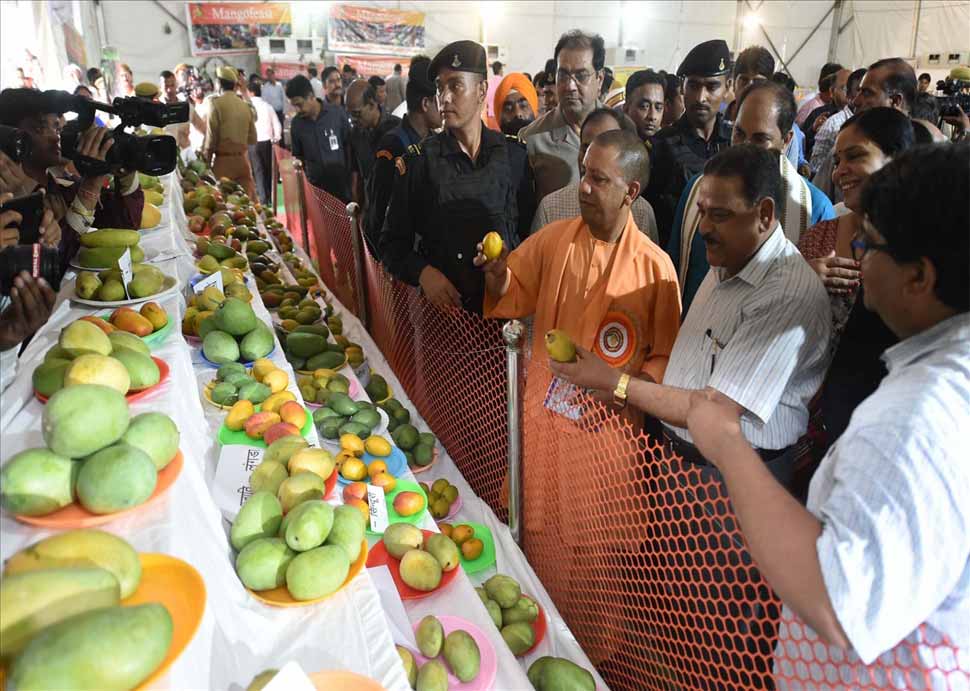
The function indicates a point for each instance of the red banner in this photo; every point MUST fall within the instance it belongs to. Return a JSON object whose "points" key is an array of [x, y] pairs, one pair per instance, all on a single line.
{"points": [[233, 27], [283, 70], [374, 65], [375, 30]]}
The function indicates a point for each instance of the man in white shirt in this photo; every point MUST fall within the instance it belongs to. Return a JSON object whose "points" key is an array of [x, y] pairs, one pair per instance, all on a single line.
{"points": [[315, 82], [396, 85], [877, 565], [268, 132], [273, 94]]}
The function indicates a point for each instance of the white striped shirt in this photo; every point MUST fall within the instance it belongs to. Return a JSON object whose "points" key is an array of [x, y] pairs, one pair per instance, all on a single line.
{"points": [[760, 338]]}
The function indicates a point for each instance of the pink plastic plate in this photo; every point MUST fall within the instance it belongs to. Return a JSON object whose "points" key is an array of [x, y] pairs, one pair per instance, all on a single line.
{"points": [[489, 663]]}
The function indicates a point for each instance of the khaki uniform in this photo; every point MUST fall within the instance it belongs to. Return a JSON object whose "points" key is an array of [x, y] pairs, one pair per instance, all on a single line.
{"points": [[230, 129]]}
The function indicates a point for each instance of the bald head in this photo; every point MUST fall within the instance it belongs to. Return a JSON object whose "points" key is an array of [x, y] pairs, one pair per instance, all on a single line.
{"points": [[766, 111], [361, 101], [631, 154], [889, 83]]}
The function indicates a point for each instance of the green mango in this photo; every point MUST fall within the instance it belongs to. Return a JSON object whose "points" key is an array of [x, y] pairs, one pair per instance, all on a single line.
{"points": [[37, 482], [309, 525], [347, 531], [462, 655], [430, 636], [317, 572], [156, 435], [259, 517], [116, 478], [262, 564]]}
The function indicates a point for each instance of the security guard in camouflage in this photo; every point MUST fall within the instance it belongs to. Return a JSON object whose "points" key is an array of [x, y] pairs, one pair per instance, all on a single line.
{"points": [[230, 129], [459, 185], [681, 150]]}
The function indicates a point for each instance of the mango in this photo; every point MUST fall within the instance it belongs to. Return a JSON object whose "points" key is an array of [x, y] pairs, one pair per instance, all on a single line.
{"points": [[240, 412], [420, 570], [259, 517], [492, 246], [127, 643], [33, 600], [257, 343], [423, 455], [319, 461], [268, 476], [110, 237], [317, 572], [258, 423], [123, 340], [37, 482], [405, 436], [504, 590], [305, 345], [472, 549], [142, 371], [278, 431], [430, 636], [154, 313], [98, 369], [204, 324], [262, 564], [347, 531], [432, 677], [560, 346], [82, 419], [219, 347], [275, 401], [519, 637], [308, 525], [151, 216], [410, 666], [226, 394], [132, 322], [55, 352], [111, 290], [116, 478], [399, 538], [408, 503], [281, 450], [462, 655], [353, 469], [299, 488], [462, 533], [494, 611], [81, 549], [87, 286], [146, 283], [327, 360], [230, 368], [535, 671], [559, 673], [82, 337], [277, 380], [156, 435], [377, 446], [48, 377], [524, 610], [260, 681], [99, 257], [153, 197], [210, 299], [235, 317], [385, 481], [262, 367], [444, 550]]}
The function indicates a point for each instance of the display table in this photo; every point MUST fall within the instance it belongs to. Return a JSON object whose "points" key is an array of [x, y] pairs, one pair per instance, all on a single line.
{"points": [[239, 637]]}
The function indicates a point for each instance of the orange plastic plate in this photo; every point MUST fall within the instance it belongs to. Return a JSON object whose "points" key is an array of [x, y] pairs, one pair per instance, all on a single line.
{"points": [[280, 597]]}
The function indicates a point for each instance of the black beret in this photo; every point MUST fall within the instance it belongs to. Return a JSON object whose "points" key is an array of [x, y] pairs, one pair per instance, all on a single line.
{"points": [[707, 59], [464, 56]]}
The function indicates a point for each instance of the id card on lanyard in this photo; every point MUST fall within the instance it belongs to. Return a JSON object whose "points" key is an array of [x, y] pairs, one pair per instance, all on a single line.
{"points": [[334, 144]]}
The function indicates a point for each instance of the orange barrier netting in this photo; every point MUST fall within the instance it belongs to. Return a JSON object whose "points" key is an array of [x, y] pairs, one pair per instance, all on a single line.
{"points": [[291, 196], [641, 553]]}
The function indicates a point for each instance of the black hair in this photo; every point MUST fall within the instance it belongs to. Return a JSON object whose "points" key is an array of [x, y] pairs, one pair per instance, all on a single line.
{"points": [[921, 133], [674, 86], [255, 88], [312, 71], [756, 59], [607, 80], [828, 69], [550, 69], [418, 86], [642, 78], [888, 128], [92, 74], [327, 71], [540, 81], [622, 119], [496, 68], [82, 86], [894, 201], [784, 79], [581, 40], [757, 168], [299, 87], [347, 68], [227, 84], [166, 74], [376, 81], [527, 76], [784, 102], [925, 76], [397, 67], [854, 79], [631, 153], [925, 107], [901, 79]]}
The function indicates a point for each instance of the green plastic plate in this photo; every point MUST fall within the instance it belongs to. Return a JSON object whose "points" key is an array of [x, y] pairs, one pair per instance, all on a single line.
{"points": [[414, 519], [153, 338], [228, 437], [487, 557]]}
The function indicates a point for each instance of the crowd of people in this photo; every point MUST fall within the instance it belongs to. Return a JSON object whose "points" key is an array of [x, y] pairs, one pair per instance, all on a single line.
{"points": [[781, 289]]}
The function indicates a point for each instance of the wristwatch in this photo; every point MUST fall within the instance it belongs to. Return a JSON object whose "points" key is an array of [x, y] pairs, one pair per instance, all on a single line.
{"points": [[619, 393]]}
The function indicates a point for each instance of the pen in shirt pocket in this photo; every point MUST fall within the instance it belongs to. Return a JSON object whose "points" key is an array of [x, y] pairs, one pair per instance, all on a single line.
{"points": [[716, 345]]}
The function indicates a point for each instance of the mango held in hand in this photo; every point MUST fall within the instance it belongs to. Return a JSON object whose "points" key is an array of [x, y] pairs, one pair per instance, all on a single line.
{"points": [[560, 346], [492, 246]]}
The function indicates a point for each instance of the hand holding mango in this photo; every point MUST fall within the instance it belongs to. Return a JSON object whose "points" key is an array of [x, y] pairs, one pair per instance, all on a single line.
{"points": [[560, 346], [586, 371]]}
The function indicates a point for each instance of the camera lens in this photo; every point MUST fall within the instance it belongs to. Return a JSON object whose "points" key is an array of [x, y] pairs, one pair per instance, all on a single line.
{"points": [[15, 143]]}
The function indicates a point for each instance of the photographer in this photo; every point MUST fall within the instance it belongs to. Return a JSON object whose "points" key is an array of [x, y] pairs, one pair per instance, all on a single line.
{"points": [[31, 299], [76, 202]]}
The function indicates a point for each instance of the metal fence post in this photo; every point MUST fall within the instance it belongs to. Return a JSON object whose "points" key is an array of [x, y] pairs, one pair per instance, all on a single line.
{"points": [[272, 178], [357, 242], [512, 332], [301, 195]]}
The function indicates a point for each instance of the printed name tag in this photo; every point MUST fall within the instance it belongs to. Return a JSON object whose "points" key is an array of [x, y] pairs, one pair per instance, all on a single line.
{"points": [[213, 279], [559, 399], [231, 488]]}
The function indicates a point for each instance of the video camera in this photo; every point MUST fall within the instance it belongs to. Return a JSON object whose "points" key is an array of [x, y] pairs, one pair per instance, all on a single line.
{"points": [[154, 154], [15, 143], [957, 94]]}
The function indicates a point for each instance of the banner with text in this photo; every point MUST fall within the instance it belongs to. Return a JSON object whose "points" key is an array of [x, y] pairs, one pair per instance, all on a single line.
{"points": [[233, 27], [283, 70], [374, 65], [372, 29]]}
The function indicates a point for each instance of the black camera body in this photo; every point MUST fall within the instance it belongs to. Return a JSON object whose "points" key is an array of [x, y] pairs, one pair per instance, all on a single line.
{"points": [[15, 143], [154, 154], [37, 260], [957, 93]]}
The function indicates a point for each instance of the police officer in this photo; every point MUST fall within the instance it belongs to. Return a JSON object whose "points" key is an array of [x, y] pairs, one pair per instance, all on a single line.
{"points": [[421, 118], [464, 182], [680, 150], [230, 129]]}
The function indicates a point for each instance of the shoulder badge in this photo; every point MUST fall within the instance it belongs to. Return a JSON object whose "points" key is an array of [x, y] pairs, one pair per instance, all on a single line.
{"points": [[415, 150], [399, 164], [385, 154]]}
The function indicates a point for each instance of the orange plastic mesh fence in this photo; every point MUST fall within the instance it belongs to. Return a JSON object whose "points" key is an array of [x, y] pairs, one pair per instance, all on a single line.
{"points": [[291, 196], [640, 552], [330, 228]]}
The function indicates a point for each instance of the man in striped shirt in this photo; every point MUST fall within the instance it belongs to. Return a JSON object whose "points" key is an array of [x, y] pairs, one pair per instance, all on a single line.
{"points": [[757, 334]]}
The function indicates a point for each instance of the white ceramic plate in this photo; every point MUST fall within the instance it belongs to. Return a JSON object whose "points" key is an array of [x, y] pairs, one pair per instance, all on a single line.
{"points": [[149, 256], [169, 286]]}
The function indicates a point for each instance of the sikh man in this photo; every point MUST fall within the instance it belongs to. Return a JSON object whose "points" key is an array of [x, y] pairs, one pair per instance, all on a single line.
{"points": [[516, 103]]}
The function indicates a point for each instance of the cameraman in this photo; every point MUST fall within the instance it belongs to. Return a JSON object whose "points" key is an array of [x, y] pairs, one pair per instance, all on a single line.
{"points": [[31, 300], [78, 203]]}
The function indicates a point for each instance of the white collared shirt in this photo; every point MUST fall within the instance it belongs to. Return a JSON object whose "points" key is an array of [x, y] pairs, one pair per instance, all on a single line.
{"points": [[760, 338], [268, 126], [893, 496]]}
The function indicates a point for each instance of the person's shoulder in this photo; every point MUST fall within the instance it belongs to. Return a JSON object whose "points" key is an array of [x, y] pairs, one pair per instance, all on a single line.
{"points": [[543, 123], [669, 132], [820, 200]]}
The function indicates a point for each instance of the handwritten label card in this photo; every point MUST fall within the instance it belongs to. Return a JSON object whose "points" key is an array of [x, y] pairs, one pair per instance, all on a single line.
{"points": [[378, 509], [231, 488], [124, 263], [213, 279], [362, 372]]}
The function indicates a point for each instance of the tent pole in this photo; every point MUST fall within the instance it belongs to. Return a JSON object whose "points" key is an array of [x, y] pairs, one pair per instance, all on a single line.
{"points": [[738, 27], [917, 10], [834, 33]]}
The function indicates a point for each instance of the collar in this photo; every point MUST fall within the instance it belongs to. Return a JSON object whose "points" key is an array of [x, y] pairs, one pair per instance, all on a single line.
{"points": [[847, 110], [406, 124], [490, 140], [559, 129], [722, 128], [756, 269], [954, 330]]}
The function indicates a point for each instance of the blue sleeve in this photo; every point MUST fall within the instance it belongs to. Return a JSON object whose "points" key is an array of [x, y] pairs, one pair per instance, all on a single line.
{"points": [[673, 244], [800, 137], [822, 209]]}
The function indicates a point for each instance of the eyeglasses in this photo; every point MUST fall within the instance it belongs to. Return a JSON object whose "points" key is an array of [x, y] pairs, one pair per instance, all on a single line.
{"points": [[581, 77], [861, 247]]}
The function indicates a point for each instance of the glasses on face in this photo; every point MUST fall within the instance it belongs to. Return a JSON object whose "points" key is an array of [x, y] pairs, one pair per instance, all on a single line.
{"points": [[861, 246], [581, 77]]}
